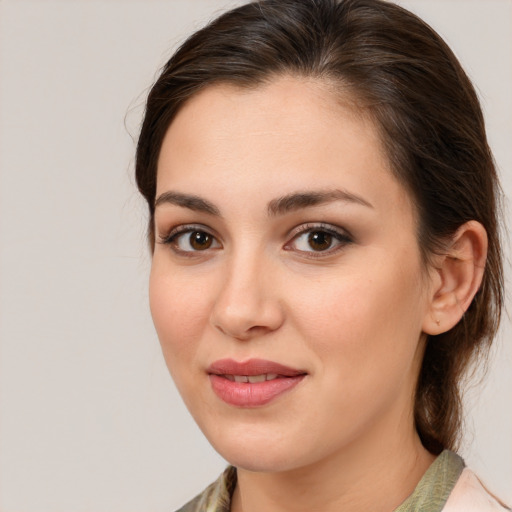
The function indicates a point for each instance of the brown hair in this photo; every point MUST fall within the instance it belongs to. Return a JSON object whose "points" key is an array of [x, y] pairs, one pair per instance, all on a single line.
{"points": [[429, 118]]}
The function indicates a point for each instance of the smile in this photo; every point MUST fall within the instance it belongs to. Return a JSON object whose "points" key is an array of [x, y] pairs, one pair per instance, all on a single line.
{"points": [[252, 383]]}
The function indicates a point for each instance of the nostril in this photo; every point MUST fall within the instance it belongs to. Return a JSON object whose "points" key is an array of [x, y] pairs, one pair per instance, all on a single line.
{"points": [[241, 329]]}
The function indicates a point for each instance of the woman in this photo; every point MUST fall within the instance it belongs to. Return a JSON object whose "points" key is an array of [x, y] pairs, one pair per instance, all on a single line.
{"points": [[326, 258]]}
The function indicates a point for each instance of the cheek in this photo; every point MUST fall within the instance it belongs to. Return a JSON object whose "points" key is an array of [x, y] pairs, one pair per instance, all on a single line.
{"points": [[179, 310], [363, 320], [363, 331]]}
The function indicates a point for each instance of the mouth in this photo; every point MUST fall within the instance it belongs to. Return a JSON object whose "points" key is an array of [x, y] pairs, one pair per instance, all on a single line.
{"points": [[251, 378], [252, 383]]}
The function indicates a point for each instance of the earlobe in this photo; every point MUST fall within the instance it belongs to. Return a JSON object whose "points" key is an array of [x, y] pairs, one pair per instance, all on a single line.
{"points": [[457, 277]]}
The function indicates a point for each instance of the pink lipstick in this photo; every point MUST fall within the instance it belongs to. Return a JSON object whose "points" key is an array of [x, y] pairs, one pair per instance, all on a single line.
{"points": [[252, 383]]}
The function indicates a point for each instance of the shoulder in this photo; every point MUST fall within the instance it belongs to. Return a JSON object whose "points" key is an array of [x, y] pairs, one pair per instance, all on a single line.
{"points": [[469, 495]]}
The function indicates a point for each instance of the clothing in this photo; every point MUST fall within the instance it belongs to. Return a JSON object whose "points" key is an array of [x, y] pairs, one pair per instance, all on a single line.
{"points": [[446, 486]]}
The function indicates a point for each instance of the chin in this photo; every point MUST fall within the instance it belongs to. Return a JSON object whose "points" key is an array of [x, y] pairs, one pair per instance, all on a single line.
{"points": [[259, 460], [260, 450]]}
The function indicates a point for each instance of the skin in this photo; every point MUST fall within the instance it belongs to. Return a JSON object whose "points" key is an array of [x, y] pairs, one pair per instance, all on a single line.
{"points": [[354, 316]]}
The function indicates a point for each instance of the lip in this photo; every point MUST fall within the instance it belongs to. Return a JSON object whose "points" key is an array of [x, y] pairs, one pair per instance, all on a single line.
{"points": [[252, 394]]}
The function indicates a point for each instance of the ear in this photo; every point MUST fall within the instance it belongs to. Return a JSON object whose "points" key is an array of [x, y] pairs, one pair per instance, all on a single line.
{"points": [[456, 277]]}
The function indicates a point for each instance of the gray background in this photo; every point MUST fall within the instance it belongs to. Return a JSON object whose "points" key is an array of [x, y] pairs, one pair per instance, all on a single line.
{"points": [[89, 419]]}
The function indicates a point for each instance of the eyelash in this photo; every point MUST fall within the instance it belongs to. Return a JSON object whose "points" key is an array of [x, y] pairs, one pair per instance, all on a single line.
{"points": [[172, 238], [341, 238]]}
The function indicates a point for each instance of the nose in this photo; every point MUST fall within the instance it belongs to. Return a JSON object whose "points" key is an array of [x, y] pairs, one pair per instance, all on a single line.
{"points": [[247, 305]]}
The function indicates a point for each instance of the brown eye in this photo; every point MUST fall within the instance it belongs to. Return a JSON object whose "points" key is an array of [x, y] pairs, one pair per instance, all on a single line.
{"points": [[319, 240], [200, 240], [190, 240]]}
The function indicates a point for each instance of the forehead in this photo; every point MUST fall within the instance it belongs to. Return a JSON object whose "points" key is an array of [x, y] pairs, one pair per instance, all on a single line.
{"points": [[309, 100], [286, 134], [293, 94]]}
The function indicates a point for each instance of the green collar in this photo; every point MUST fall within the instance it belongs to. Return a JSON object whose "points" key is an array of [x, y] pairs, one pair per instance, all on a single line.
{"points": [[437, 483]]}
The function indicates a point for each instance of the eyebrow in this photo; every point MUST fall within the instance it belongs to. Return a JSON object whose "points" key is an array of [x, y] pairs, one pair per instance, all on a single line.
{"points": [[298, 200], [280, 206], [189, 201]]}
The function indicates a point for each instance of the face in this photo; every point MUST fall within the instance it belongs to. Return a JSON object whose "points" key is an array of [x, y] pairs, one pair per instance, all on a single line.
{"points": [[287, 287]]}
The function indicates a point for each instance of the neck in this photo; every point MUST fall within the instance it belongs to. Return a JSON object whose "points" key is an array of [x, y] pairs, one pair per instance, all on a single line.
{"points": [[370, 474]]}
